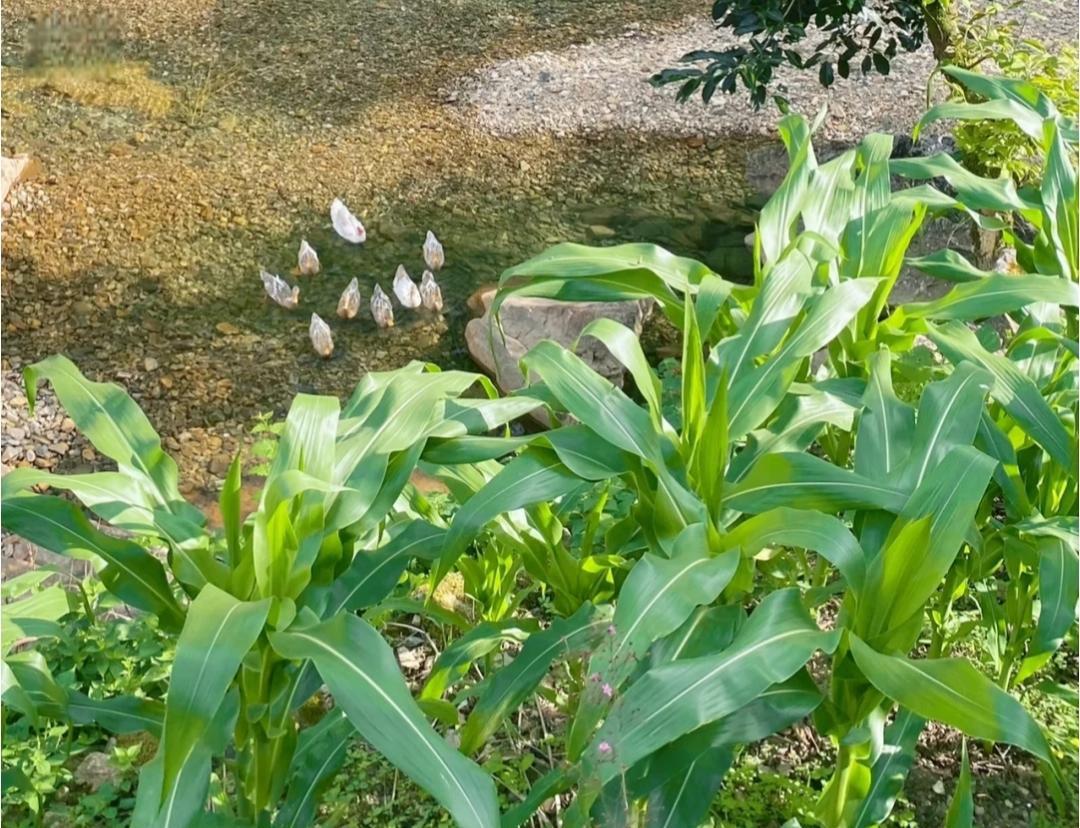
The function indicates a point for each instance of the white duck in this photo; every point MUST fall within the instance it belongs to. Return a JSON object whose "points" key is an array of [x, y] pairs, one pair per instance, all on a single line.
{"points": [[346, 224], [381, 309], [278, 290], [307, 260], [433, 252], [430, 294], [321, 339], [349, 303], [405, 289]]}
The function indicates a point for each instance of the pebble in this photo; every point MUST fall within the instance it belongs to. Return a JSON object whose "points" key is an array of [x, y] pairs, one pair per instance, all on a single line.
{"points": [[150, 364]]}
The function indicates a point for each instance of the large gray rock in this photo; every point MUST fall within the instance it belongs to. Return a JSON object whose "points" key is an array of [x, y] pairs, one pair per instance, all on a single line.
{"points": [[528, 320]]}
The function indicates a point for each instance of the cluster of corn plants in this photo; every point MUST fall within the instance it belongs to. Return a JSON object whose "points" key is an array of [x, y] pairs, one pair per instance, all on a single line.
{"points": [[792, 441], [798, 513]]}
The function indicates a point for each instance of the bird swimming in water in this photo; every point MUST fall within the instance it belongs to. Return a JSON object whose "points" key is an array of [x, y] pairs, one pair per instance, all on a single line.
{"points": [[433, 252], [307, 260], [349, 303], [346, 224], [405, 289], [430, 294], [319, 332], [381, 309], [278, 290]]}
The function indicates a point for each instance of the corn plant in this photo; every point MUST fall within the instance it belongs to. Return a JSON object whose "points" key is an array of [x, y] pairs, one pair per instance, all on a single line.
{"points": [[264, 611], [896, 503]]}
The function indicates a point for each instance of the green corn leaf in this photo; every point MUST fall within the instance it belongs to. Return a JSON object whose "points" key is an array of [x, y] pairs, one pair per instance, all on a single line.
{"points": [[951, 691], [656, 598], [1015, 391], [361, 672], [948, 265], [890, 769], [120, 714], [535, 476], [551, 783], [320, 753], [1059, 591], [132, 573], [803, 529], [307, 441], [776, 225], [218, 632], [803, 481], [992, 194], [117, 427], [624, 345], [948, 416], [887, 425], [372, 574], [961, 812], [229, 504], [515, 682], [627, 271], [587, 455], [995, 295], [454, 662], [595, 401], [685, 800], [677, 698]]}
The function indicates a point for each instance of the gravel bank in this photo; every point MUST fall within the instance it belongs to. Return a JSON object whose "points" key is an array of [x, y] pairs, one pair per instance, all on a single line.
{"points": [[602, 85]]}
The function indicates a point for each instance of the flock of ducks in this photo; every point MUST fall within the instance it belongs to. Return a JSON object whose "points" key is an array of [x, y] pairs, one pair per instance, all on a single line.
{"points": [[409, 295]]}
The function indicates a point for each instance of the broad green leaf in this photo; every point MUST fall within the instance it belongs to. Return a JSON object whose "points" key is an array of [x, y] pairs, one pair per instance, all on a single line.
{"points": [[961, 812], [676, 698], [887, 425], [595, 402], [776, 225], [995, 295], [803, 529], [1059, 590], [218, 632], [757, 393], [361, 672], [372, 574], [534, 476], [117, 427], [1059, 197], [948, 416], [229, 504], [656, 598], [624, 345], [685, 800], [890, 769], [995, 195], [585, 454], [1016, 392], [514, 683], [132, 573], [307, 441], [454, 662], [551, 783], [948, 265], [120, 714], [803, 481], [319, 755], [951, 691]]}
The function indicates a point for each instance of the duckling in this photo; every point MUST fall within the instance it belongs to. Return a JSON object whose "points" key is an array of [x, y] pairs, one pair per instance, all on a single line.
{"points": [[381, 309], [433, 252], [278, 290], [349, 303], [346, 224], [307, 259], [319, 332], [430, 293], [405, 289]]}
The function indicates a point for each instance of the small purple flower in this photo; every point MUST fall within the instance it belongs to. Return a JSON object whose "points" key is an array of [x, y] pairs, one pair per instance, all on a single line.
{"points": [[604, 748], [611, 629], [607, 690]]}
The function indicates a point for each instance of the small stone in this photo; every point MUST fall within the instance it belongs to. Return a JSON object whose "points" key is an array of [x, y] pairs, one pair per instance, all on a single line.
{"points": [[220, 465], [601, 231], [67, 425], [88, 454], [227, 328], [939, 788], [95, 770], [150, 363], [166, 382], [16, 434]]}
